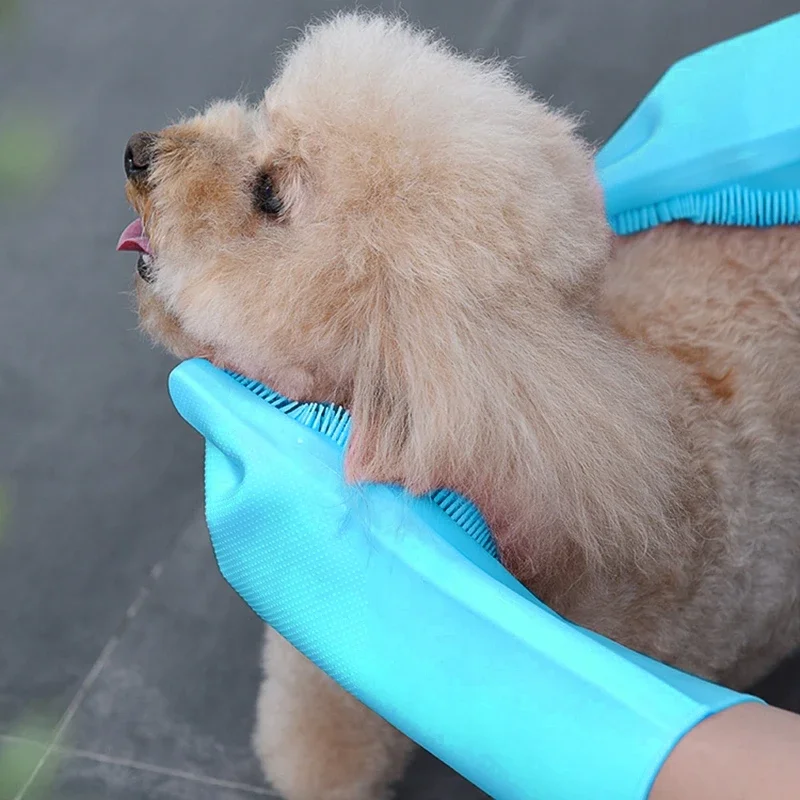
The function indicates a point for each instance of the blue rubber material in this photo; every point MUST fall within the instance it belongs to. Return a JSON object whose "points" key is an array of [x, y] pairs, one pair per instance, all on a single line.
{"points": [[716, 141], [408, 612]]}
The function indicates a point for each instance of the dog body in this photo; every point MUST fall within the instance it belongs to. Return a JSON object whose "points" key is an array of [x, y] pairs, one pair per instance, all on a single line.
{"points": [[411, 234]]}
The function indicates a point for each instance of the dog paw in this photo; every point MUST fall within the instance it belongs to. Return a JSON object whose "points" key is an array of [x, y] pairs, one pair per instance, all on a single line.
{"points": [[315, 741], [305, 766]]}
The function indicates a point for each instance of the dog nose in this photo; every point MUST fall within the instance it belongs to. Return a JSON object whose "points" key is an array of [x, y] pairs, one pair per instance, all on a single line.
{"points": [[138, 154]]}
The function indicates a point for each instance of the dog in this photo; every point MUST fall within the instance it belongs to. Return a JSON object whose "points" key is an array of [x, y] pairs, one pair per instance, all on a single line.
{"points": [[410, 233]]}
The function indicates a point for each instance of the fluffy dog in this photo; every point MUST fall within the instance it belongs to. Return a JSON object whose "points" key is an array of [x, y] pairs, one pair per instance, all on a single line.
{"points": [[410, 233]]}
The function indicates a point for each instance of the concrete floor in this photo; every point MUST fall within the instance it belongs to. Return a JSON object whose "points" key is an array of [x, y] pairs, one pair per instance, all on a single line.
{"points": [[118, 634]]}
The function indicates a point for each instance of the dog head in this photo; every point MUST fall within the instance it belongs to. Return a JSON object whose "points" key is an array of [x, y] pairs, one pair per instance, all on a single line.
{"points": [[394, 227]]}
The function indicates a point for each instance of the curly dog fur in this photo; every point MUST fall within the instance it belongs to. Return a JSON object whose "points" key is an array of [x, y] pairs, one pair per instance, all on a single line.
{"points": [[436, 258]]}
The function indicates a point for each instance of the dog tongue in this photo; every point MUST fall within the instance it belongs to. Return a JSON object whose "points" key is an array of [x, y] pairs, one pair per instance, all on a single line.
{"points": [[134, 238]]}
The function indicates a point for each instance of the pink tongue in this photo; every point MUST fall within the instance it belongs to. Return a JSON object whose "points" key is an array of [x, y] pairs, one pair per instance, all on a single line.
{"points": [[134, 238]]}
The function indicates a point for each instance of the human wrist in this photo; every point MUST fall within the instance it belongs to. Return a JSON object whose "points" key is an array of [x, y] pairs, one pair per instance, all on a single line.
{"points": [[745, 751]]}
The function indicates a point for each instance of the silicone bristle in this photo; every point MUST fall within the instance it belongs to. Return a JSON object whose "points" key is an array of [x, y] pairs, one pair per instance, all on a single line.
{"points": [[265, 393], [465, 514], [734, 205], [334, 422]]}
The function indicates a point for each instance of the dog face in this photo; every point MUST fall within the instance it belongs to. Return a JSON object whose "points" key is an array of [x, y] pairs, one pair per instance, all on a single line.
{"points": [[386, 229]]}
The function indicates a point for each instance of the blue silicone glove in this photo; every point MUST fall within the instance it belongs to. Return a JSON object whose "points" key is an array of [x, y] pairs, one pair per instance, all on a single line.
{"points": [[389, 596], [716, 140]]}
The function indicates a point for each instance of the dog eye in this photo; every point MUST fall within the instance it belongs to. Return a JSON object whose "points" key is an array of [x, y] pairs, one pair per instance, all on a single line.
{"points": [[264, 197]]}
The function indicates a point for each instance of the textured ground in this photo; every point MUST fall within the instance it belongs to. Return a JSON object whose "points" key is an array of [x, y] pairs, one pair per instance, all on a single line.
{"points": [[117, 630]]}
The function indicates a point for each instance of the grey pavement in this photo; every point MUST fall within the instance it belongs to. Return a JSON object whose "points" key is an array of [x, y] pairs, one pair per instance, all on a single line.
{"points": [[117, 634]]}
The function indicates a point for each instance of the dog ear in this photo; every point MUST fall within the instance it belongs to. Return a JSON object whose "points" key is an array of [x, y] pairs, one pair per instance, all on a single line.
{"points": [[381, 445], [379, 450], [361, 464]]}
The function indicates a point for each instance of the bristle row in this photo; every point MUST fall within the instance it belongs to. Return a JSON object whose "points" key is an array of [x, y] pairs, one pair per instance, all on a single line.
{"points": [[333, 421], [734, 205], [467, 516]]}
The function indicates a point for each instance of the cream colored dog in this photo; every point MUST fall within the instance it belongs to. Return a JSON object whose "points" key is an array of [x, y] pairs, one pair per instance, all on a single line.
{"points": [[408, 232]]}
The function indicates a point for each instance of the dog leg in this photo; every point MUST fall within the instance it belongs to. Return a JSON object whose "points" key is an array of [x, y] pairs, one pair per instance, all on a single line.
{"points": [[315, 741]]}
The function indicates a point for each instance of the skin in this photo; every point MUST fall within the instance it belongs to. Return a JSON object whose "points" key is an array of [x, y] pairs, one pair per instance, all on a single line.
{"points": [[748, 752]]}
